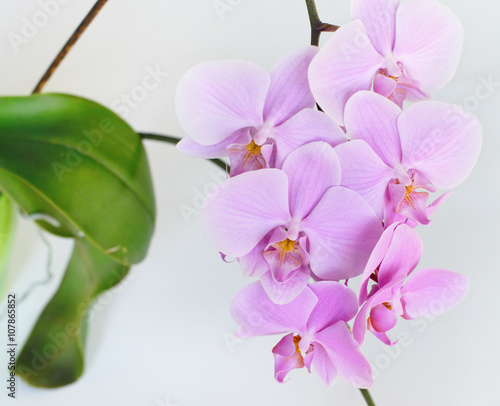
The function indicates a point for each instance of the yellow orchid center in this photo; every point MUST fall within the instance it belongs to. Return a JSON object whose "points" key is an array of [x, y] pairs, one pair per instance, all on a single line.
{"points": [[287, 245], [296, 340], [253, 148]]}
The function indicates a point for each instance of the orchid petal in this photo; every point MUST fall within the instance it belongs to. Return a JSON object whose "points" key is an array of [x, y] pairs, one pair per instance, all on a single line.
{"points": [[337, 303], [322, 365], [382, 319], [440, 140], [257, 315], [244, 209], [311, 170], [364, 172], [376, 258], [374, 119], [289, 92], [286, 358], [345, 355], [190, 147], [345, 65], [379, 19], [429, 40], [285, 292], [430, 292], [216, 99], [254, 263], [307, 126], [402, 257], [361, 321], [342, 231]]}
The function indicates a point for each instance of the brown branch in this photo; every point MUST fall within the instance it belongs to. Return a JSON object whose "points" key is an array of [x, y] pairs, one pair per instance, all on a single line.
{"points": [[69, 44]]}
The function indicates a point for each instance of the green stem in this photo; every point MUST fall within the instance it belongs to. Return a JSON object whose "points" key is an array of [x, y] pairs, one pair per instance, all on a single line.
{"points": [[317, 26], [367, 396], [69, 44], [174, 140]]}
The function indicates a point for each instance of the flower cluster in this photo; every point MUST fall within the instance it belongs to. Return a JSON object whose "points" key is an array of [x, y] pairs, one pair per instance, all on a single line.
{"points": [[318, 197]]}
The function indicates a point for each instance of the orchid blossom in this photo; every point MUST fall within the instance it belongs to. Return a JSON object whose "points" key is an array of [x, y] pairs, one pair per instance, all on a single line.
{"points": [[398, 290], [393, 154], [283, 224], [404, 51], [237, 109], [315, 324]]}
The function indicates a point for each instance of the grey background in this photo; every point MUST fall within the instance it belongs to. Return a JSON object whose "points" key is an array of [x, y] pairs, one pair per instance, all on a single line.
{"points": [[163, 337]]}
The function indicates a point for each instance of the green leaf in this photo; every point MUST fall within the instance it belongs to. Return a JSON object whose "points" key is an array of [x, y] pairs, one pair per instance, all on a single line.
{"points": [[82, 166], [80, 171], [53, 355], [7, 228]]}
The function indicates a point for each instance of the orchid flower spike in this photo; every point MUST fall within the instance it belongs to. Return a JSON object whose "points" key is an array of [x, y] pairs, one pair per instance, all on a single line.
{"points": [[283, 224], [393, 154], [316, 332], [398, 290], [238, 109], [402, 51]]}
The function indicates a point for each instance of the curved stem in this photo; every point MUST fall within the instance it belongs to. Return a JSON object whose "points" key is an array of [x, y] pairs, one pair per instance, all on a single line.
{"points": [[174, 140], [69, 44], [317, 26], [368, 397]]}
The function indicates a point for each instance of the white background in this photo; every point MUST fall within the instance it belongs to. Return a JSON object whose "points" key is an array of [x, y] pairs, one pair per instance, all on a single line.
{"points": [[162, 339]]}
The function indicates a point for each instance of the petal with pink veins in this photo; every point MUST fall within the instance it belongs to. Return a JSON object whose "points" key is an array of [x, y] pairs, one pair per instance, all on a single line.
{"points": [[379, 19], [311, 169], [364, 172], [342, 231], [285, 292], [289, 92], [431, 292], [345, 355], [440, 140], [307, 126], [343, 66], [242, 210], [257, 315], [338, 303], [217, 98], [374, 119], [429, 40]]}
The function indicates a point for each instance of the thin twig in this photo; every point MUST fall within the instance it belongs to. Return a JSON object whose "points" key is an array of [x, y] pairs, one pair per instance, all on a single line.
{"points": [[69, 44], [173, 140]]}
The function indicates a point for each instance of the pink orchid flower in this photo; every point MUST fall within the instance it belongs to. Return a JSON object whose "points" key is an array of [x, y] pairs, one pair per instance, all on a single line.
{"points": [[404, 51], [238, 109], [283, 224], [400, 292], [315, 324], [394, 154]]}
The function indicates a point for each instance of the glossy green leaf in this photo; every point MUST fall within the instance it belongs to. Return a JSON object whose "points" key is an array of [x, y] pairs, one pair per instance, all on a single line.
{"points": [[53, 355], [82, 166], [80, 171], [7, 229]]}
